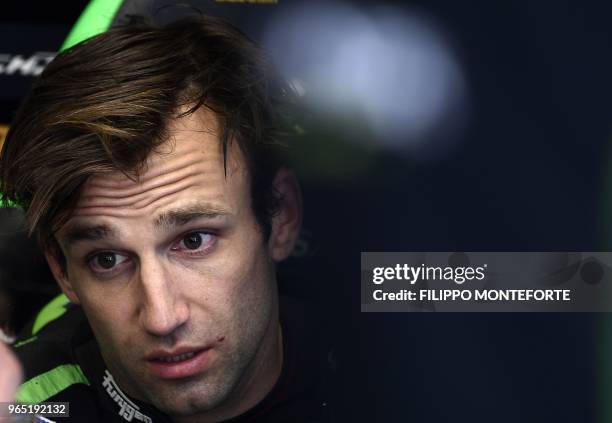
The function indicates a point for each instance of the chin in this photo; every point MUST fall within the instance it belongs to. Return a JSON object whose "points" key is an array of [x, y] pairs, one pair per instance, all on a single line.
{"points": [[191, 400]]}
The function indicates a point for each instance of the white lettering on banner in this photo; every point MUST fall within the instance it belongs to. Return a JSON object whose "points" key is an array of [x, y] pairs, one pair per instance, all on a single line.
{"points": [[26, 66]]}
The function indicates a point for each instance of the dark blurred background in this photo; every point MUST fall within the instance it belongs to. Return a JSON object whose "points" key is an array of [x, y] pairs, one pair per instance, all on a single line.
{"points": [[423, 126]]}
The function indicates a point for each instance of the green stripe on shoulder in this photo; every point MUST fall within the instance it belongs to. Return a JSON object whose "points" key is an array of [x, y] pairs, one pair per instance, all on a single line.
{"points": [[46, 385], [53, 310]]}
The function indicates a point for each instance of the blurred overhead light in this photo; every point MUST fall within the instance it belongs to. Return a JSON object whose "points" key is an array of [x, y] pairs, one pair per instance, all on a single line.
{"points": [[390, 70]]}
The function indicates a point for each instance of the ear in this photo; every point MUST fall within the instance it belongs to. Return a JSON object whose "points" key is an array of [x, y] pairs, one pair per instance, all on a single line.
{"points": [[287, 222], [60, 274]]}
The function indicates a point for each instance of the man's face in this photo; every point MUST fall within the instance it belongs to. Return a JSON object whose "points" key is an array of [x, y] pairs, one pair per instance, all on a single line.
{"points": [[175, 277]]}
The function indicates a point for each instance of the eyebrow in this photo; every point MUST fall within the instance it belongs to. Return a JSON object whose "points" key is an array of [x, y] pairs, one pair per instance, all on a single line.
{"points": [[183, 215], [84, 232], [170, 218]]}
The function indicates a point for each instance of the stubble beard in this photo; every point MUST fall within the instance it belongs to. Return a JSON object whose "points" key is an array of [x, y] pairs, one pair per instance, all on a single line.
{"points": [[223, 385]]}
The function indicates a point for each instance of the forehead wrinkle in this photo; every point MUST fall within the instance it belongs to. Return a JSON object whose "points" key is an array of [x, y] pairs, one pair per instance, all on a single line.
{"points": [[117, 185], [191, 163], [202, 159], [140, 199]]}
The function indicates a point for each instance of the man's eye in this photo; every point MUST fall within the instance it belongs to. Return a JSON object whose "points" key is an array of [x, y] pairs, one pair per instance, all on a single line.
{"points": [[195, 241], [106, 261]]}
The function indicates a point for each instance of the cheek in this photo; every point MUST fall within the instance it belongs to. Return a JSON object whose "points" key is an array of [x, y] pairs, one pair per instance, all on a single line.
{"points": [[240, 282], [240, 260], [246, 269], [106, 319], [113, 298], [254, 290], [108, 314], [111, 331]]}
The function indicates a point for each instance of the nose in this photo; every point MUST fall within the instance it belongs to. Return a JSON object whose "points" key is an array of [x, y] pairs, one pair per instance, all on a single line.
{"points": [[163, 308]]}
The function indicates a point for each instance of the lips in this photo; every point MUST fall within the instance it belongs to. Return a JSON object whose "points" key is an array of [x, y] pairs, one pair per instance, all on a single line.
{"points": [[179, 363], [175, 358]]}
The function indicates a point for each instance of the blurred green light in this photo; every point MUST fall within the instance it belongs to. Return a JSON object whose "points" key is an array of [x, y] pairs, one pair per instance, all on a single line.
{"points": [[8, 203]]}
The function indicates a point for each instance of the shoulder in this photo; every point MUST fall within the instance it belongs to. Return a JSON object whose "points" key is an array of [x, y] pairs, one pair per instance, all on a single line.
{"points": [[45, 350]]}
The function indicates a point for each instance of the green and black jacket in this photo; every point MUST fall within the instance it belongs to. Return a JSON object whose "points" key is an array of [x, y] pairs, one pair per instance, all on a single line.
{"points": [[62, 362]]}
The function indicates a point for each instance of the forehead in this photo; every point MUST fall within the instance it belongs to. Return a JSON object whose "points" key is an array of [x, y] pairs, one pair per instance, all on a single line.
{"points": [[188, 168]]}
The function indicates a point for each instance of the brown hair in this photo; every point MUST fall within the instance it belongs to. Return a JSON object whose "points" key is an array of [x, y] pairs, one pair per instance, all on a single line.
{"points": [[104, 104]]}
